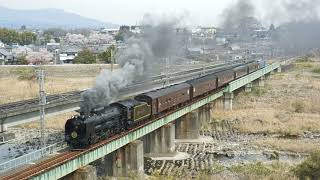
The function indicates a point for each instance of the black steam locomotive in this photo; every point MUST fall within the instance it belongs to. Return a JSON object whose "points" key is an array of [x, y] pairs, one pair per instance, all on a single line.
{"points": [[82, 131]]}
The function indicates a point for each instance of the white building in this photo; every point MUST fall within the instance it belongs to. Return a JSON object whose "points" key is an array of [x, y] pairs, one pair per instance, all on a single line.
{"points": [[2, 45], [111, 31], [6, 57], [67, 55]]}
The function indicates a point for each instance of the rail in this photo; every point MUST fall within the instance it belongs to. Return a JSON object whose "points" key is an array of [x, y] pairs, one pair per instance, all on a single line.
{"points": [[69, 161], [33, 103], [31, 157]]}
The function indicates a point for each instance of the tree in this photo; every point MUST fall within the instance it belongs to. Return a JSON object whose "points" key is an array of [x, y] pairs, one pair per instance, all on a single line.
{"points": [[41, 57], [57, 40], [75, 39], [27, 38], [96, 38], [22, 60], [23, 28], [9, 36], [119, 37], [85, 57], [106, 55], [55, 32]]}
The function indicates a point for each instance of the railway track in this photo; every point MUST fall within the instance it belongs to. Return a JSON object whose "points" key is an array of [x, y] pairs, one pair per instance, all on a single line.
{"points": [[33, 170], [57, 160], [75, 95], [28, 172], [35, 102]]}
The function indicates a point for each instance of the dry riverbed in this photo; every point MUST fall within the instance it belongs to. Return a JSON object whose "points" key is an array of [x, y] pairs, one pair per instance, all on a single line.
{"points": [[269, 132]]}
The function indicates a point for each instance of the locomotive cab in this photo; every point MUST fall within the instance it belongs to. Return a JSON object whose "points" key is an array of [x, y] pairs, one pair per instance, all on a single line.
{"points": [[134, 111]]}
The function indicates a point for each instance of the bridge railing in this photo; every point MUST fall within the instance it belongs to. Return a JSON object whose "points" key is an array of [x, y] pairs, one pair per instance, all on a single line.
{"points": [[236, 84], [30, 157]]}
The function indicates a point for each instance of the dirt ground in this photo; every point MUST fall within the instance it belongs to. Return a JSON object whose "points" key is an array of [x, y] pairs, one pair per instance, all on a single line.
{"points": [[20, 83], [287, 107]]}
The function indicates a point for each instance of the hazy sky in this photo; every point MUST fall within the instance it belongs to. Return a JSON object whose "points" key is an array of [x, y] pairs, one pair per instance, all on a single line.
{"points": [[130, 11], [197, 12]]}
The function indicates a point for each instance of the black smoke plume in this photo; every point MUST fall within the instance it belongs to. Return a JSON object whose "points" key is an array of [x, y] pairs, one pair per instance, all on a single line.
{"points": [[142, 54]]}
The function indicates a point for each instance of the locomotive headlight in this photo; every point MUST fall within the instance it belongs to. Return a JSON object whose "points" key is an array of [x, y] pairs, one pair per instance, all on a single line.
{"points": [[74, 135]]}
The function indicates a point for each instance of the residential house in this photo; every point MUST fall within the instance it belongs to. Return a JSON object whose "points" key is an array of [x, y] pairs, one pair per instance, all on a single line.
{"points": [[52, 46], [7, 57], [68, 54], [2, 45]]}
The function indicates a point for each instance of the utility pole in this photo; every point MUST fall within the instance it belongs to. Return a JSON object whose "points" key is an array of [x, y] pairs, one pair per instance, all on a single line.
{"points": [[111, 57], [42, 103], [167, 71]]}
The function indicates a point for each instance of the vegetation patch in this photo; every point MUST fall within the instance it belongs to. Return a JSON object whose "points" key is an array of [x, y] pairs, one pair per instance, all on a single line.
{"points": [[27, 74], [316, 70], [298, 107], [304, 59], [256, 169], [258, 91], [310, 168], [291, 145], [259, 170]]}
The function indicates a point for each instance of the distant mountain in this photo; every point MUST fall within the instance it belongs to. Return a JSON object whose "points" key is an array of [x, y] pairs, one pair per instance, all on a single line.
{"points": [[47, 18]]}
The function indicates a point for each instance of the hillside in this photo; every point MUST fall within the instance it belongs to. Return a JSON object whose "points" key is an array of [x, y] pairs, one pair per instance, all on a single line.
{"points": [[46, 18]]}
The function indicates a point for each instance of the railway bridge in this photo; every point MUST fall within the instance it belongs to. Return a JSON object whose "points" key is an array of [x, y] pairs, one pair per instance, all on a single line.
{"points": [[124, 153]]}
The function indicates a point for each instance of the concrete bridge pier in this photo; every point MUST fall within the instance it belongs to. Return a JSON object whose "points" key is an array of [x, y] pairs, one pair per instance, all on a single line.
{"points": [[188, 126], [218, 103], [278, 70], [227, 100], [126, 161], [88, 172], [248, 87], [260, 81], [3, 127], [205, 115], [160, 141]]}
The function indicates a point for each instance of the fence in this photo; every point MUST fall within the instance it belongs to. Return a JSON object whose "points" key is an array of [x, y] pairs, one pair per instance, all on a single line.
{"points": [[28, 158]]}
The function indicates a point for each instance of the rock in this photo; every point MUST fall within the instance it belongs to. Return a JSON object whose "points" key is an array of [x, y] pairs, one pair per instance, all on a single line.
{"points": [[274, 155]]}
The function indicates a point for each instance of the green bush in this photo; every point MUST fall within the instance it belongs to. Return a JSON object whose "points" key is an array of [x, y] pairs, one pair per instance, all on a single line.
{"points": [[258, 91], [257, 169], [26, 74], [303, 59], [85, 57], [317, 70], [298, 107], [310, 168]]}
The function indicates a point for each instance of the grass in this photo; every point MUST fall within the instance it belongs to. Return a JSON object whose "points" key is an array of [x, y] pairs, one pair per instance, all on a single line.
{"points": [[20, 83], [287, 106], [13, 89], [292, 145], [26, 74], [316, 70], [310, 168], [304, 59], [259, 91], [298, 106], [258, 170], [52, 122]]}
